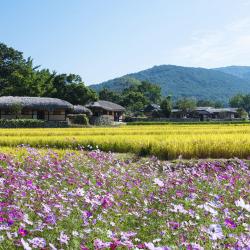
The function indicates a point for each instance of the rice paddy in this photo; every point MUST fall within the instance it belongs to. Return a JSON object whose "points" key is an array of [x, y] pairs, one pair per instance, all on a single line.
{"points": [[163, 141]]}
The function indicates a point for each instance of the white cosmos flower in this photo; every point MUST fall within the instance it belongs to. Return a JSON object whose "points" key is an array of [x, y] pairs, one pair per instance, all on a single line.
{"points": [[215, 232], [241, 203], [159, 182]]}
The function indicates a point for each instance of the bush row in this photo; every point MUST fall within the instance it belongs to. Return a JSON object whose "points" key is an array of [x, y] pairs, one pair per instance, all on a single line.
{"points": [[21, 123], [31, 123]]}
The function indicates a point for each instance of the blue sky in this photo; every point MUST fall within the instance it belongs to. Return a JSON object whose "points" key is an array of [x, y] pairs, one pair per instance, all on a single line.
{"points": [[103, 39]]}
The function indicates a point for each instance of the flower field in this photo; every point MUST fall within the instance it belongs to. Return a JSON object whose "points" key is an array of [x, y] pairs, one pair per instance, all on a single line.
{"points": [[96, 200], [163, 141]]}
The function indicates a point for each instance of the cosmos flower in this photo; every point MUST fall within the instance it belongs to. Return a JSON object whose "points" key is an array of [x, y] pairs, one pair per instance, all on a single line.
{"points": [[215, 232], [37, 242], [22, 232], [241, 203], [25, 244], [159, 182], [230, 223], [63, 238]]}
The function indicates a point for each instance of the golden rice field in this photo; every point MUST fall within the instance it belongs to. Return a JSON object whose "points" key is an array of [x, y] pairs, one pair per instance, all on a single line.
{"points": [[164, 141]]}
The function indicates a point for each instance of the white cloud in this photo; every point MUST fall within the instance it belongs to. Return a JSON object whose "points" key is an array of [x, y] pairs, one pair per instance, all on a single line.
{"points": [[227, 46]]}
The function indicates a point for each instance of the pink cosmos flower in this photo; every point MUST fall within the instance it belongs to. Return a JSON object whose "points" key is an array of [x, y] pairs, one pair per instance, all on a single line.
{"points": [[230, 223], [22, 232], [84, 247], [173, 225]]}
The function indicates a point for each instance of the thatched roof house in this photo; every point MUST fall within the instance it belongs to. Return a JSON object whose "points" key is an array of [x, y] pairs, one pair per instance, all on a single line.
{"points": [[107, 108], [49, 109], [79, 109]]}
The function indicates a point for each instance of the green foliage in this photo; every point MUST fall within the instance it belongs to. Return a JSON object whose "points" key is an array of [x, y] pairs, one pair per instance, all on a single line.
{"points": [[108, 95], [133, 101], [186, 104], [240, 101], [21, 123], [71, 88], [81, 119], [152, 92], [242, 113], [19, 77], [166, 106]]}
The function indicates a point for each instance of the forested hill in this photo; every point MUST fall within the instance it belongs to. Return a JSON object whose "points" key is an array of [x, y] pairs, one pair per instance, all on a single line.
{"points": [[199, 83], [239, 71]]}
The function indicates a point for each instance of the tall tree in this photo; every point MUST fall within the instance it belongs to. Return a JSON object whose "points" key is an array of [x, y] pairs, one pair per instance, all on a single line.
{"points": [[241, 101], [71, 88], [151, 91], [186, 104], [166, 106], [19, 77]]}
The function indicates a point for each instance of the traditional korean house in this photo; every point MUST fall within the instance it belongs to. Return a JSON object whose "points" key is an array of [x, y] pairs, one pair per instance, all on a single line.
{"points": [[101, 107], [43, 108]]}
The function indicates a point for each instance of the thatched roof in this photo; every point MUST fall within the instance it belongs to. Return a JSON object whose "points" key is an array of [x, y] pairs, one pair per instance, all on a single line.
{"points": [[44, 103], [79, 109], [110, 106]]}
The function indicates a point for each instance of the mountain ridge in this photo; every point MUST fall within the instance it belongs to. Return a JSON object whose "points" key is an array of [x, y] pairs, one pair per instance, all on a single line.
{"points": [[218, 84]]}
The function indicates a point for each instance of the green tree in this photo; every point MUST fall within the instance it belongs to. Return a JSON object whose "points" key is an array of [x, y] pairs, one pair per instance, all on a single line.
{"points": [[166, 106], [16, 74], [237, 101], [71, 88], [134, 101], [151, 91], [186, 105], [19, 77], [241, 101], [242, 113], [108, 95]]}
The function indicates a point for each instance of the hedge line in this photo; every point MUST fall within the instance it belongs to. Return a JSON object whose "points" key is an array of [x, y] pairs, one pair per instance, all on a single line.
{"points": [[21, 123], [31, 123]]}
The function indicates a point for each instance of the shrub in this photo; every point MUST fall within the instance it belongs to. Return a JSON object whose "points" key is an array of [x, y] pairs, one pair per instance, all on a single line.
{"points": [[81, 119], [21, 123]]}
